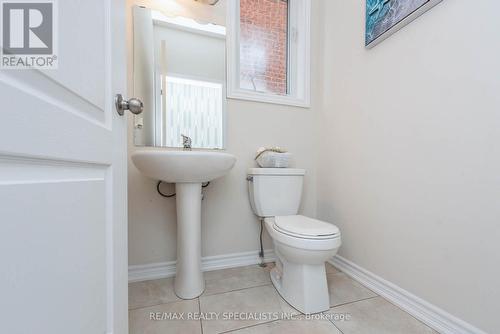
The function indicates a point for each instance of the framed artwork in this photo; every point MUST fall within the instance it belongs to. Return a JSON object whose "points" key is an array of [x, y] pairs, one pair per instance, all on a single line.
{"points": [[385, 17]]}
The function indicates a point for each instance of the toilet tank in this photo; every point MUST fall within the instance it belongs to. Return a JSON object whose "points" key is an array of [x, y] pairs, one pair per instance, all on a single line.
{"points": [[275, 191]]}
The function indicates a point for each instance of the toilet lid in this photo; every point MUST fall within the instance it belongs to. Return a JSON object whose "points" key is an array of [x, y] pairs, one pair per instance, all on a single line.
{"points": [[302, 226]]}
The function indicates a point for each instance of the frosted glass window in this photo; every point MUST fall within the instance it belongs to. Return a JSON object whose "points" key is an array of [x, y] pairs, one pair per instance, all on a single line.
{"points": [[193, 108]]}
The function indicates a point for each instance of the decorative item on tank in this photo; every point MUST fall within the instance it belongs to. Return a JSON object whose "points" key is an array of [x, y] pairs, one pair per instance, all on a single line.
{"points": [[273, 157]]}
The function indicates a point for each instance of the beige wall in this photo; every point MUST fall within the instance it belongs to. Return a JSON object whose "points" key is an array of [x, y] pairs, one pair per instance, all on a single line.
{"points": [[410, 162], [228, 224]]}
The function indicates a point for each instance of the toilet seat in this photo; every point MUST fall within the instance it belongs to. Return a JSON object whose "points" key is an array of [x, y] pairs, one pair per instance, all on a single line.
{"points": [[305, 228], [310, 243]]}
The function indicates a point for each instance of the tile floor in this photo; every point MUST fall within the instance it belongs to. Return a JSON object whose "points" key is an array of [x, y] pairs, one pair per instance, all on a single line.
{"points": [[247, 292]]}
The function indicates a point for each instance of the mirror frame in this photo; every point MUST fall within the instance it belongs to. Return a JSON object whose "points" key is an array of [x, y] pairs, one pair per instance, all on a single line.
{"points": [[156, 83]]}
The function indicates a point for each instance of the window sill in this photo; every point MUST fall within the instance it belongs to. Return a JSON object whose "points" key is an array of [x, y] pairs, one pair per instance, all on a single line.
{"points": [[262, 97]]}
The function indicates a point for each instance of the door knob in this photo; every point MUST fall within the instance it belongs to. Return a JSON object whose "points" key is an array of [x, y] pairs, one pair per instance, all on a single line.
{"points": [[134, 105]]}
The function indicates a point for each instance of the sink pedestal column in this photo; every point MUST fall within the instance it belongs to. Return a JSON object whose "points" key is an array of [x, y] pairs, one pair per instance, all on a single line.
{"points": [[189, 282]]}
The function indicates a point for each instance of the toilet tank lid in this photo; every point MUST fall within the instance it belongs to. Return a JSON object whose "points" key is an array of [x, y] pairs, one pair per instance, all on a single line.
{"points": [[276, 171]]}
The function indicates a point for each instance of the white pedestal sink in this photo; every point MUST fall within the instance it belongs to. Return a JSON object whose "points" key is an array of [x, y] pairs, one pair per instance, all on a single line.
{"points": [[188, 170]]}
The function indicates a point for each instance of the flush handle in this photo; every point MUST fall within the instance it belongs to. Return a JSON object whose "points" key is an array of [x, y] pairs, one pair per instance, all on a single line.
{"points": [[250, 178]]}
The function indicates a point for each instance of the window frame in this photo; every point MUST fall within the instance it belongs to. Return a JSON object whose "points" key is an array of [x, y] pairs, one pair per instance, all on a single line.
{"points": [[298, 62]]}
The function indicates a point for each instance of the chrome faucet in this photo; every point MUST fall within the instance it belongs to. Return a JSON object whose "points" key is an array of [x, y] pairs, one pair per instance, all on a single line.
{"points": [[186, 143]]}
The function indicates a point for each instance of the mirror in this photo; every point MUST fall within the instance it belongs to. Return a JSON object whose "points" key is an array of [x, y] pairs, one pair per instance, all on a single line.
{"points": [[179, 74]]}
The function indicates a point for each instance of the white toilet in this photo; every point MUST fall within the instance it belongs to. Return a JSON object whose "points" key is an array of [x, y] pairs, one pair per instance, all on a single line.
{"points": [[302, 245]]}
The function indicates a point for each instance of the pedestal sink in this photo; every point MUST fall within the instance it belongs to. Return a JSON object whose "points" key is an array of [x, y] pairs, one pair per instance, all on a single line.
{"points": [[188, 170]]}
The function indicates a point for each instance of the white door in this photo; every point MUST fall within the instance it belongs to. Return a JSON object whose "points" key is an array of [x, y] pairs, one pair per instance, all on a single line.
{"points": [[63, 221]]}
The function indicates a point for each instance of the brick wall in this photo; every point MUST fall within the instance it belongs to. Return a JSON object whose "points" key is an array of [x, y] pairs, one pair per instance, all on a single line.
{"points": [[263, 45]]}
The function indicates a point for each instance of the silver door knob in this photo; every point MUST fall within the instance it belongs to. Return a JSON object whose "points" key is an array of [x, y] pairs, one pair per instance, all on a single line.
{"points": [[134, 105]]}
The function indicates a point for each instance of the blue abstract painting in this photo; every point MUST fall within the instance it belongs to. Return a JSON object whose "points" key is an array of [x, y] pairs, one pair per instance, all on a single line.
{"points": [[383, 15]]}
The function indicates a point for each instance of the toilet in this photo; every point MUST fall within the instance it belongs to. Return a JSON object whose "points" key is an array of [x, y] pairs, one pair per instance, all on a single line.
{"points": [[302, 245]]}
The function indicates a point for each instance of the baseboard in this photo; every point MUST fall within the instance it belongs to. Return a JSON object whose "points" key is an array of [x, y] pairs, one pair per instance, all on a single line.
{"points": [[431, 315], [138, 273]]}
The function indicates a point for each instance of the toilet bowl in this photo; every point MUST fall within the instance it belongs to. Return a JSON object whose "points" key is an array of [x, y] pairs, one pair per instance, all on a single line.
{"points": [[302, 244], [299, 275]]}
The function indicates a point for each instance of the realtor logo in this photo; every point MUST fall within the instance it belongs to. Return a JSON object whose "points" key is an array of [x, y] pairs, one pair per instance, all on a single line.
{"points": [[28, 34]]}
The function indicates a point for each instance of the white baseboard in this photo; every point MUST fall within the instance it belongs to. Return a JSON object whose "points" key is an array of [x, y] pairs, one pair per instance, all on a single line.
{"points": [[434, 317], [145, 272]]}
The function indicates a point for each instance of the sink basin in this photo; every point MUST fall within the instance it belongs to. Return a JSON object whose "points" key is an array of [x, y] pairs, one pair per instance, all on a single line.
{"points": [[183, 166], [188, 170]]}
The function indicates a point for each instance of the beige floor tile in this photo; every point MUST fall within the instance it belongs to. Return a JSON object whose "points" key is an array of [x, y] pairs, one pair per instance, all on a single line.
{"points": [[377, 316], [261, 302], [149, 293], [299, 326], [225, 280], [343, 289], [331, 269], [287, 308], [269, 266], [140, 321]]}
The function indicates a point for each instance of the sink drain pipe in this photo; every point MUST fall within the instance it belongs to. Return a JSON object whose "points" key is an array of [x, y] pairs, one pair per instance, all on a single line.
{"points": [[173, 195]]}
